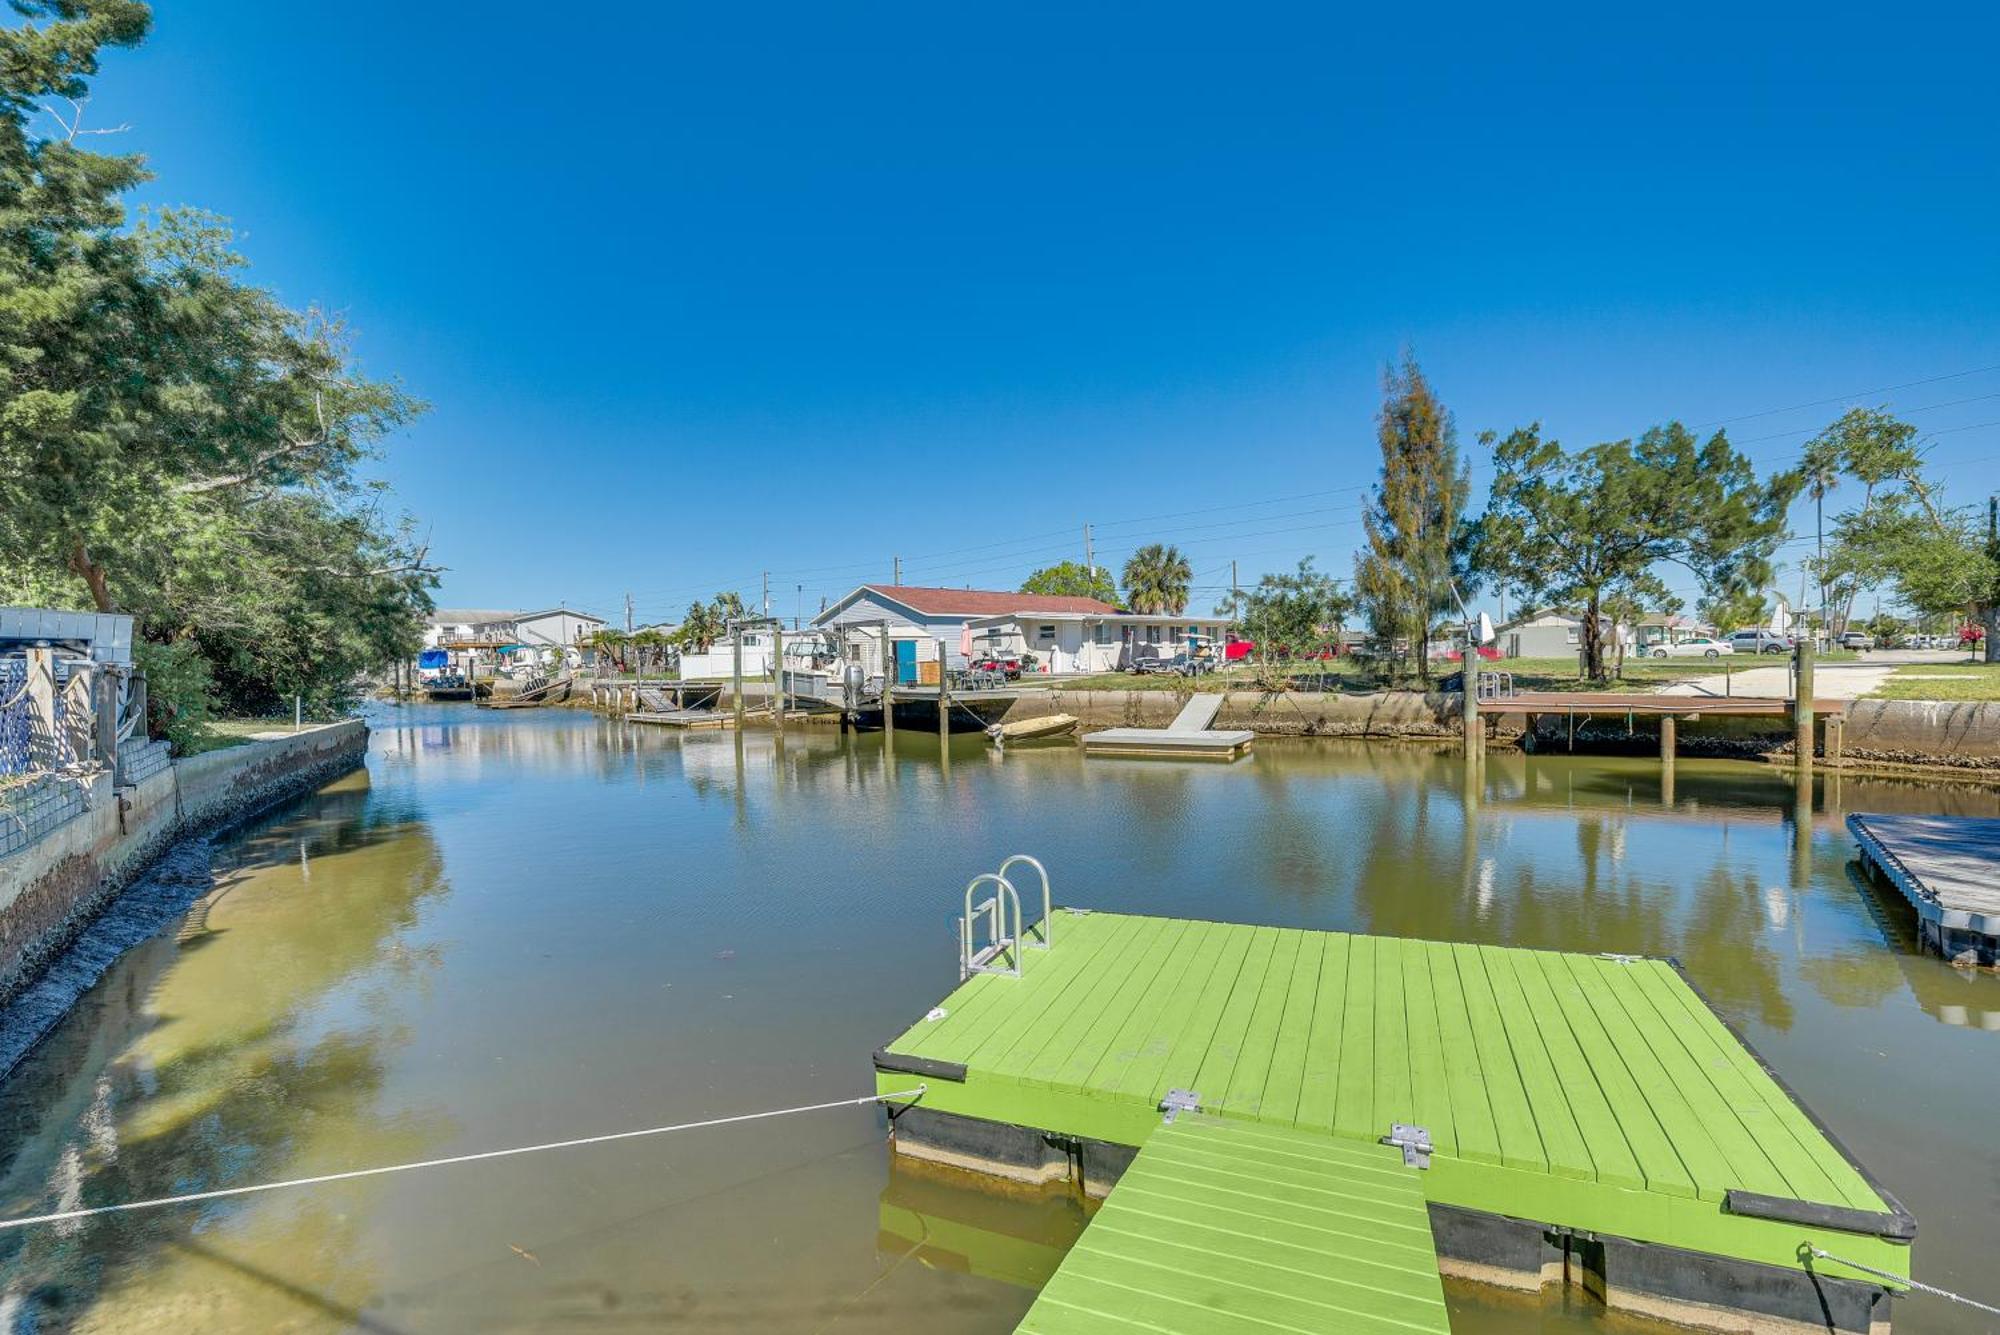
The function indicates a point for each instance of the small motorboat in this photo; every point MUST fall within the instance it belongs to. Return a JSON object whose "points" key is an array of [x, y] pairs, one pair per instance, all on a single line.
{"points": [[1032, 729]]}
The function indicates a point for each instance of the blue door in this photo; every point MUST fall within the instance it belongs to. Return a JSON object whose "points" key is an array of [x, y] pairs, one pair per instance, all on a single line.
{"points": [[906, 662]]}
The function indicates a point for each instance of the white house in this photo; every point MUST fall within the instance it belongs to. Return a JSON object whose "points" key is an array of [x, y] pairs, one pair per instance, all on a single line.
{"points": [[1066, 634], [492, 637], [1549, 634]]}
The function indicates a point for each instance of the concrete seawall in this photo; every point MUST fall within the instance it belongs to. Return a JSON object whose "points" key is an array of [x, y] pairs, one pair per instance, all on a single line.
{"points": [[1958, 734], [51, 889]]}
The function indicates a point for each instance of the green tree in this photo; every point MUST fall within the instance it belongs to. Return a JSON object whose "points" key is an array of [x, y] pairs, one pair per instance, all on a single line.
{"points": [[1570, 528], [610, 643], [1157, 579], [1287, 613], [726, 607], [1735, 609], [1416, 532], [1072, 579], [174, 442], [700, 628]]}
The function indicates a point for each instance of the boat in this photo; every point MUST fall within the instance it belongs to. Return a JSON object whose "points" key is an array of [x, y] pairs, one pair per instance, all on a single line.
{"points": [[534, 691], [1032, 729]]}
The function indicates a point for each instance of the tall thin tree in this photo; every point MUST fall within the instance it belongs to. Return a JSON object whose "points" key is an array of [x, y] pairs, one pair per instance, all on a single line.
{"points": [[1415, 526]]}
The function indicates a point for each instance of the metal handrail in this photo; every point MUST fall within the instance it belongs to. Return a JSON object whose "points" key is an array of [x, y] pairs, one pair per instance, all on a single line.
{"points": [[994, 907], [1048, 917]]}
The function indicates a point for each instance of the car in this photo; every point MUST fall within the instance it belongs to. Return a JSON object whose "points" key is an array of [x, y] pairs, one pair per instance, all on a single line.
{"points": [[1858, 640], [1699, 646], [1760, 642]]}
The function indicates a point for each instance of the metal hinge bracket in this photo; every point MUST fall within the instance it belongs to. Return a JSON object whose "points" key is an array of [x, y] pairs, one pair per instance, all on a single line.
{"points": [[1413, 1141], [1177, 1102], [1616, 958]]}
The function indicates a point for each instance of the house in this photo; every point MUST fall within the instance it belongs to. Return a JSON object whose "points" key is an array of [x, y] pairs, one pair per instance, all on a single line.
{"points": [[1657, 628], [485, 637], [925, 626], [1550, 634]]}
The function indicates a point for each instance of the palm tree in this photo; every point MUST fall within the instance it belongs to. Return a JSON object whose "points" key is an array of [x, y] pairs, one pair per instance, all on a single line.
{"points": [[700, 627], [608, 643], [1157, 579], [1820, 467], [727, 607], [650, 644]]}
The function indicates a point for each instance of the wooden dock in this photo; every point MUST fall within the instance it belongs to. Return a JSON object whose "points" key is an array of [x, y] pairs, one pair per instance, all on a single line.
{"points": [[1948, 868], [1586, 1112], [1228, 1226], [1614, 703]]}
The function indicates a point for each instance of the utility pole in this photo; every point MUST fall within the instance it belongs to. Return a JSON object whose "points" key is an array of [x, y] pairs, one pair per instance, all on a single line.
{"points": [[767, 593], [1235, 592], [628, 614], [898, 581], [1089, 560]]}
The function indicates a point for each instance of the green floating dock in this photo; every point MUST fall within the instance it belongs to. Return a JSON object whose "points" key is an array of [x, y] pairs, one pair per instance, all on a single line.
{"points": [[1219, 1227], [1586, 1112]]}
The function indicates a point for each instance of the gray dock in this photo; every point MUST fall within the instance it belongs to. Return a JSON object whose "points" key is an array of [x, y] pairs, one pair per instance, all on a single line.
{"points": [[1948, 867], [1188, 736]]}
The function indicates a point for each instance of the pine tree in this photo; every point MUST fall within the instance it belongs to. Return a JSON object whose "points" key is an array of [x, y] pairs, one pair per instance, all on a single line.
{"points": [[1415, 519]]}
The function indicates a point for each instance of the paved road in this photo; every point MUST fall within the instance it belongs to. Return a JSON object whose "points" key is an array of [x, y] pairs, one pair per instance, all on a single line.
{"points": [[1772, 675]]}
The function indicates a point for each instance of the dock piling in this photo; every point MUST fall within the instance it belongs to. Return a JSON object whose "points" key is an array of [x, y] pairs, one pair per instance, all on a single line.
{"points": [[1802, 703]]}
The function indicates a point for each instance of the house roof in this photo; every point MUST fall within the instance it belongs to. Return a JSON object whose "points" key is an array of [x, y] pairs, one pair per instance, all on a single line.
{"points": [[968, 602], [467, 616], [557, 612]]}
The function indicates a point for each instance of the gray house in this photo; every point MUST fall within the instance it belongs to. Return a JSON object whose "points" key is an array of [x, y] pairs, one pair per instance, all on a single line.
{"points": [[1548, 634]]}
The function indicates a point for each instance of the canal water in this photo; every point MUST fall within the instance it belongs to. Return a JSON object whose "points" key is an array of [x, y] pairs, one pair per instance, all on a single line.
{"points": [[518, 927]]}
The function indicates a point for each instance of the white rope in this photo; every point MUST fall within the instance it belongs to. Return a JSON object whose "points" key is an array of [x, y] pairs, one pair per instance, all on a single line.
{"points": [[61, 1215], [1906, 1281]]}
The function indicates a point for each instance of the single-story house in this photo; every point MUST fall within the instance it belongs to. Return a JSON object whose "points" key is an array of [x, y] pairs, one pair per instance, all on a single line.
{"points": [[1066, 634], [1548, 634], [1667, 628]]}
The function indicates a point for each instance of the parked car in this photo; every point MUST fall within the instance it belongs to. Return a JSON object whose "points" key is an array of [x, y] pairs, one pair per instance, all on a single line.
{"points": [[1699, 646], [1858, 640], [1760, 642]]}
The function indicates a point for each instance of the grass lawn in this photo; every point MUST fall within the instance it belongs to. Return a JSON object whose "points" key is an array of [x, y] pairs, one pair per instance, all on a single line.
{"points": [[226, 732], [1941, 681]]}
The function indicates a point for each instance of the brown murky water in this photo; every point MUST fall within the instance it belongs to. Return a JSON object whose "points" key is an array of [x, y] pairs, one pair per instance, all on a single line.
{"points": [[522, 927]]}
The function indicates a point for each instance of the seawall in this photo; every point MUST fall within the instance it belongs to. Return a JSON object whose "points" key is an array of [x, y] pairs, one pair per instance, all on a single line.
{"points": [[93, 840], [1953, 734]]}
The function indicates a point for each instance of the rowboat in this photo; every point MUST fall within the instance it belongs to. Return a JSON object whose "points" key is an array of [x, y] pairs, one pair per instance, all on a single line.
{"points": [[1032, 729]]}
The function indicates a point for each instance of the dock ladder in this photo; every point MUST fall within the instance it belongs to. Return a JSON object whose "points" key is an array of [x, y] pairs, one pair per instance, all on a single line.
{"points": [[991, 935]]}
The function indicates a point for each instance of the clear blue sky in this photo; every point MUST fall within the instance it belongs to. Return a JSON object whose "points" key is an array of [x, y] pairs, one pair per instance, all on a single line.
{"points": [[703, 291]]}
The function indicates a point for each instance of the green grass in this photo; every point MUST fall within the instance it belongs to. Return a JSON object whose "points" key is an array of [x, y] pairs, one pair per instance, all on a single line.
{"points": [[1941, 681], [227, 732]]}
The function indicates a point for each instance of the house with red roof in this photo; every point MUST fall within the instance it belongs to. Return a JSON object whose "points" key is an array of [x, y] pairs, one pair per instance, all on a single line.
{"points": [[923, 626]]}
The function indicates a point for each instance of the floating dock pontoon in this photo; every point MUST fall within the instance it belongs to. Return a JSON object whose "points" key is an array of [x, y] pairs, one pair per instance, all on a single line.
{"points": [[1187, 736], [1948, 867], [1565, 1116]]}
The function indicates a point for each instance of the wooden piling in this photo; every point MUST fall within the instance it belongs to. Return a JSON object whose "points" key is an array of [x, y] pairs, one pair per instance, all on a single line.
{"points": [[736, 672], [944, 693], [1667, 730], [1802, 704], [1469, 680], [778, 676], [888, 686]]}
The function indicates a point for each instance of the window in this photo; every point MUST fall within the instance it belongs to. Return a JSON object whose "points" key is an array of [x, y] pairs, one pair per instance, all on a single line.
{"points": [[1569, 634], [1045, 633], [1102, 633]]}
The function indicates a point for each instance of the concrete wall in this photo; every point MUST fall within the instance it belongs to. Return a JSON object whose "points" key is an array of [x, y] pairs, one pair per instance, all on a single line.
{"points": [[1961, 732], [52, 887]]}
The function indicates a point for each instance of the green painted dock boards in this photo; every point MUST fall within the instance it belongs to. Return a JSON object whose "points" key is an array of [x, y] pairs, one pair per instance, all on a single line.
{"points": [[1220, 1227], [1594, 1093]]}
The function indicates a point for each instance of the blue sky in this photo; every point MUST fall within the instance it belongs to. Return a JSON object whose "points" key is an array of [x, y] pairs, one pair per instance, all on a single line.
{"points": [[701, 292]]}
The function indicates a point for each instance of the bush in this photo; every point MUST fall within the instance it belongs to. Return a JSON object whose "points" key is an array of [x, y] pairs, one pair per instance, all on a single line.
{"points": [[180, 695]]}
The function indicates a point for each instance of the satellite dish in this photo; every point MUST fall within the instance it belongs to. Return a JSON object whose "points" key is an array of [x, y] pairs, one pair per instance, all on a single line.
{"points": [[1485, 629]]}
